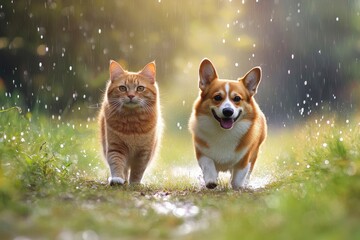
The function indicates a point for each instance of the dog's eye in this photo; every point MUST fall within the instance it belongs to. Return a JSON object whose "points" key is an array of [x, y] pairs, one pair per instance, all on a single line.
{"points": [[218, 98], [140, 88], [237, 99], [122, 88]]}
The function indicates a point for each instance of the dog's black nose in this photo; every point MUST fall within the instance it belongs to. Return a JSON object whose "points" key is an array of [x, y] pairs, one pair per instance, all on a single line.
{"points": [[228, 112]]}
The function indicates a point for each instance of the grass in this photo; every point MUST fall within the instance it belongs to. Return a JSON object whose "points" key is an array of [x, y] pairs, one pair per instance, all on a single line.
{"points": [[306, 185]]}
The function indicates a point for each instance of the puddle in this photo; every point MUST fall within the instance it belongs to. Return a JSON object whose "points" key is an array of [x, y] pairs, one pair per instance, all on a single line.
{"points": [[257, 182], [191, 215], [178, 209], [193, 175]]}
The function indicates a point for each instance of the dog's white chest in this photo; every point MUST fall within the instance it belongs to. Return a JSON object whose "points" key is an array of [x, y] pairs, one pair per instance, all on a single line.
{"points": [[221, 142]]}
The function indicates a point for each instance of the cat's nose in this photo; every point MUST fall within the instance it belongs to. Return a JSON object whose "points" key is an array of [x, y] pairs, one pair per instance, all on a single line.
{"points": [[131, 96]]}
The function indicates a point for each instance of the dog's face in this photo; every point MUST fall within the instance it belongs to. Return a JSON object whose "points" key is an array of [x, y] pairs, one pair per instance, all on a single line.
{"points": [[226, 100]]}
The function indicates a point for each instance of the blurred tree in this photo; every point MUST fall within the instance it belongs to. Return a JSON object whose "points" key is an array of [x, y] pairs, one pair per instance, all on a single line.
{"points": [[56, 53]]}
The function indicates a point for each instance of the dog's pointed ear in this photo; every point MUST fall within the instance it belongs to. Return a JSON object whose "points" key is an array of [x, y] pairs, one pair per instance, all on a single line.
{"points": [[252, 80], [207, 73], [115, 70]]}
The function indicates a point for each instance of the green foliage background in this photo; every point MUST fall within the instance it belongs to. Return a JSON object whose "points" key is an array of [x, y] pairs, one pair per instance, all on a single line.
{"points": [[54, 55]]}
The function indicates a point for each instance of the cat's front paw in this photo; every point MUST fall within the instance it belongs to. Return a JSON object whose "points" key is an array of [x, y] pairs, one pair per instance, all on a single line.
{"points": [[116, 181]]}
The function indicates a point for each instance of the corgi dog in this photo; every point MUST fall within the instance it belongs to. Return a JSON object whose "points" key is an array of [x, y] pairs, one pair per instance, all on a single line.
{"points": [[227, 125]]}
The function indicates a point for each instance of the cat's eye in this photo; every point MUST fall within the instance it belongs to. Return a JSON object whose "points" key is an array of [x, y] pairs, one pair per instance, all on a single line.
{"points": [[122, 88], [140, 88], [237, 99], [218, 98]]}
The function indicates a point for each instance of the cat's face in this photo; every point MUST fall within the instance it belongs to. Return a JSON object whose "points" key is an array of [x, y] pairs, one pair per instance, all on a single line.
{"points": [[132, 90]]}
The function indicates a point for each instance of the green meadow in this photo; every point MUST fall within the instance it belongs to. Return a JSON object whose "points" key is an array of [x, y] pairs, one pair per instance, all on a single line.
{"points": [[54, 64], [306, 185]]}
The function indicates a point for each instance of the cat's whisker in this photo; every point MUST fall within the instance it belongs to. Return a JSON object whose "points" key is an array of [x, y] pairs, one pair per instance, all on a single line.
{"points": [[114, 107]]}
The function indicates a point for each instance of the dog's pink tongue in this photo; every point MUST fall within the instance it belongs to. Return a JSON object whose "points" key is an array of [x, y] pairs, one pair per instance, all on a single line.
{"points": [[226, 123]]}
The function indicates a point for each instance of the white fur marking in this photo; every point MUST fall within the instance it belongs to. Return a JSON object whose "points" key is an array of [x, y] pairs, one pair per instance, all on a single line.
{"points": [[222, 144], [227, 104], [116, 180], [227, 88], [239, 177], [208, 168]]}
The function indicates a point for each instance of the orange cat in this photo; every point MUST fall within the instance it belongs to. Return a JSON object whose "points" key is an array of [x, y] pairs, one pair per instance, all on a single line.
{"points": [[130, 122]]}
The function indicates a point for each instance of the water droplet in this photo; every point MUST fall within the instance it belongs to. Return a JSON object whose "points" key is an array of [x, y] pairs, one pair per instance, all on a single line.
{"points": [[301, 111], [99, 30], [326, 162], [337, 19]]}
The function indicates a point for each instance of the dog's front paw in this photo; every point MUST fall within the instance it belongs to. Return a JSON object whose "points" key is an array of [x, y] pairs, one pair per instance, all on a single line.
{"points": [[116, 181], [211, 185]]}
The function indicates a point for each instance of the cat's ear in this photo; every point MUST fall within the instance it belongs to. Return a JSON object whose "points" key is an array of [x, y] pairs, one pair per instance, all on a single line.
{"points": [[207, 73], [149, 71], [115, 70]]}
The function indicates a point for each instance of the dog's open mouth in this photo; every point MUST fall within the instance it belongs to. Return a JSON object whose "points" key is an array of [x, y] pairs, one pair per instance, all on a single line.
{"points": [[226, 123]]}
